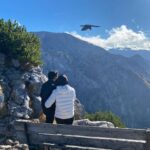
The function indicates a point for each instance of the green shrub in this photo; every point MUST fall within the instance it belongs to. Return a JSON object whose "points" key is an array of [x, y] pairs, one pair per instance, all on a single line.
{"points": [[17, 43], [105, 116]]}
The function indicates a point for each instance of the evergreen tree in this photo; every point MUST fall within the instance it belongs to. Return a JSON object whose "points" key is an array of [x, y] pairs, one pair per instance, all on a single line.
{"points": [[17, 43]]}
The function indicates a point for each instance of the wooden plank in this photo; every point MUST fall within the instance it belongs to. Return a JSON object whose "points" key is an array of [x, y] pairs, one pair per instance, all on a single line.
{"points": [[21, 136], [5, 130], [19, 124], [147, 147], [97, 142], [21, 131], [2, 124], [136, 134], [68, 147], [2, 129]]}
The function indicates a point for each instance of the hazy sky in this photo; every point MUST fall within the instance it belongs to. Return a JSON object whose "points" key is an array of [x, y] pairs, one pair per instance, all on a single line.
{"points": [[68, 15]]}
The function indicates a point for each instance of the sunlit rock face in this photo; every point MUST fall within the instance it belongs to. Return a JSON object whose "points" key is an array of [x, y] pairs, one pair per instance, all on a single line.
{"points": [[19, 90]]}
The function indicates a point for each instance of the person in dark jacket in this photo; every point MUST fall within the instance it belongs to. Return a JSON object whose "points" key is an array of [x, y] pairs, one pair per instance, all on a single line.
{"points": [[46, 91]]}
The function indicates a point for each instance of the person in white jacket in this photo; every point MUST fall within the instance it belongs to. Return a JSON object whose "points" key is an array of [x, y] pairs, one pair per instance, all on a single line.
{"points": [[64, 96]]}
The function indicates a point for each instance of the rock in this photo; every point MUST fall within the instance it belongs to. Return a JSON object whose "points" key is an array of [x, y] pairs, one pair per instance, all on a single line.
{"points": [[19, 93], [79, 110], [36, 101], [19, 101], [87, 122], [4, 147], [9, 142], [16, 143], [24, 146], [2, 103], [2, 59], [15, 63], [21, 112], [21, 90], [34, 80]]}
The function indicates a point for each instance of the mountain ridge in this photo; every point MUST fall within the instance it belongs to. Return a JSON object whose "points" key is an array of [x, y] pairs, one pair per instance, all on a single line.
{"points": [[129, 53], [103, 81]]}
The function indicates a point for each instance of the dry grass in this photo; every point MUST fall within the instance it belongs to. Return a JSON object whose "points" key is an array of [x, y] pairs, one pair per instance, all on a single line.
{"points": [[42, 117]]}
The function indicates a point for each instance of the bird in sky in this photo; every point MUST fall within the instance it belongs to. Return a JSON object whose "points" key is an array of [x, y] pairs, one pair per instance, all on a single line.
{"points": [[87, 27]]}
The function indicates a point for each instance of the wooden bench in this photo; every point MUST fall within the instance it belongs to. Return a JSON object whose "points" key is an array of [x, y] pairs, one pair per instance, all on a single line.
{"points": [[81, 137], [2, 128]]}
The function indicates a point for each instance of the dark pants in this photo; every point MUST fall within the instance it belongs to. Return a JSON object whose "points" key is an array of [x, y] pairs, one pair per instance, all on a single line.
{"points": [[64, 121], [49, 119], [50, 112]]}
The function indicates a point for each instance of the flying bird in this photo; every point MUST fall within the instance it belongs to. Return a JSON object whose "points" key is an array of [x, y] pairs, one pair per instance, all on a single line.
{"points": [[87, 27]]}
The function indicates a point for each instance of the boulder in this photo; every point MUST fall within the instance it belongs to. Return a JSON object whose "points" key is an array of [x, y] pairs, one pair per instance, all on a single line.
{"points": [[87, 122], [34, 80]]}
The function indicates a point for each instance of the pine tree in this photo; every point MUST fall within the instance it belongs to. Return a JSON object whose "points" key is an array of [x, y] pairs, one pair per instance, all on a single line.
{"points": [[17, 43]]}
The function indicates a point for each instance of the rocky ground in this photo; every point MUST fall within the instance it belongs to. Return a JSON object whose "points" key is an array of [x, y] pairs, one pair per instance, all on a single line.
{"points": [[13, 145]]}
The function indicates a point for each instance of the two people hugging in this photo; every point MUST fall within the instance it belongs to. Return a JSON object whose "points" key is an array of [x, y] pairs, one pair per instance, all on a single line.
{"points": [[58, 99]]}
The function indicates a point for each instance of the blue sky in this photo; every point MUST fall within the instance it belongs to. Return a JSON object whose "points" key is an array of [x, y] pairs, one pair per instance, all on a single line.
{"points": [[68, 15]]}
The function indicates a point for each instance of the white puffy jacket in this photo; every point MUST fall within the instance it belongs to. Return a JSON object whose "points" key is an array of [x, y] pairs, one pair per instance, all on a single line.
{"points": [[64, 97]]}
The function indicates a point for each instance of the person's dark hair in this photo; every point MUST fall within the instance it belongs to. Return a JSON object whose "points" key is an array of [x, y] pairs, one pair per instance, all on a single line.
{"points": [[52, 75], [62, 80]]}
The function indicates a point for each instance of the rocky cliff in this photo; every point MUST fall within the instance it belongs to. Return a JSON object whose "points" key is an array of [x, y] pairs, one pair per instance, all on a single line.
{"points": [[19, 95], [20, 90]]}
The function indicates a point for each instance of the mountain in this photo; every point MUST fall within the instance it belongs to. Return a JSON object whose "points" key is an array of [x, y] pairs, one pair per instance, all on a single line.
{"points": [[128, 53], [103, 81]]}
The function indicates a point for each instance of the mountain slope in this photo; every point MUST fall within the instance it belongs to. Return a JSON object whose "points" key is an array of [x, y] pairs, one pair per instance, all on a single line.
{"points": [[129, 53], [103, 81]]}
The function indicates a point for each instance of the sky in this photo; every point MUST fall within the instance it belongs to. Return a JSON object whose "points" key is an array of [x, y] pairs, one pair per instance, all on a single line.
{"points": [[123, 23]]}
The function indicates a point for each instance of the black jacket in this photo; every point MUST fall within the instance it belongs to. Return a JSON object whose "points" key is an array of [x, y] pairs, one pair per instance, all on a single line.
{"points": [[46, 91]]}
